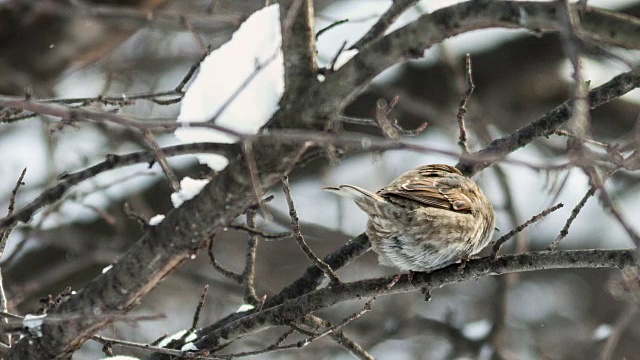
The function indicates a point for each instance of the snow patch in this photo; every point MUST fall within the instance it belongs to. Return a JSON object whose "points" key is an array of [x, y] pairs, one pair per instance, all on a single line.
{"points": [[602, 332], [33, 323], [230, 87], [189, 188], [157, 219], [189, 347], [245, 307], [477, 330]]}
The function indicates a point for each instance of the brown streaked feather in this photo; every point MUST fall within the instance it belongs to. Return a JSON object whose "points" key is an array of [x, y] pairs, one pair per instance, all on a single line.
{"points": [[437, 169], [436, 185]]}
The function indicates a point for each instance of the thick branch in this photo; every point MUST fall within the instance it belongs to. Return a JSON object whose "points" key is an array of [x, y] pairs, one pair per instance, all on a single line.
{"points": [[546, 125], [67, 181], [293, 309], [309, 281], [166, 246], [410, 41]]}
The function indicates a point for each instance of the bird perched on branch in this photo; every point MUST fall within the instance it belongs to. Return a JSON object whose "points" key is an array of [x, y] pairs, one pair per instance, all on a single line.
{"points": [[426, 219]]}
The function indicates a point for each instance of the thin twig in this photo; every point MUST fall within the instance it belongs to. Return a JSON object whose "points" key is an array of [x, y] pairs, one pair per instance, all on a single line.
{"points": [[384, 22], [221, 269], [254, 175], [276, 346], [282, 338], [295, 227], [25, 236], [261, 233], [579, 122], [192, 70], [14, 192], [609, 204], [134, 345], [334, 60], [67, 181], [574, 213], [142, 220], [234, 95], [462, 108], [248, 275], [4, 314], [162, 160], [504, 238], [196, 315], [331, 26], [128, 98], [586, 140], [4, 236], [6, 337], [372, 122], [355, 120], [388, 130], [366, 308], [391, 129], [339, 337], [159, 339]]}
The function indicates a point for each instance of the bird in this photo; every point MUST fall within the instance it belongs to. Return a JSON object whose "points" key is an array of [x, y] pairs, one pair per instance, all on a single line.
{"points": [[427, 218]]}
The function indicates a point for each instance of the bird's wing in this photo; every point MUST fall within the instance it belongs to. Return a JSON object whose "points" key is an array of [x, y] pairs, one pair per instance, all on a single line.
{"points": [[431, 186]]}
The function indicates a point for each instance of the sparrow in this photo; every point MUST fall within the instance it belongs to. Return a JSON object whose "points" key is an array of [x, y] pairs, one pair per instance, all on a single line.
{"points": [[425, 219]]}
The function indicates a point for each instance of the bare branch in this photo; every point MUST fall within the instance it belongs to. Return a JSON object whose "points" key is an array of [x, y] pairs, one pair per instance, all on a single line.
{"points": [[254, 175], [174, 184], [134, 345], [382, 110], [196, 314], [221, 269], [574, 213], [462, 108], [192, 70], [546, 124], [262, 234], [67, 181], [410, 41], [384, 22], [295, 227], [248, 274], [328, 296], [339, 337], [163, 248], [507, 236], [4, 235]]}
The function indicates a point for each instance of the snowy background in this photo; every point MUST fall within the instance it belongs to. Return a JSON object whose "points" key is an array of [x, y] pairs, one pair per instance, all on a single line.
{"points": [[518, 78]]}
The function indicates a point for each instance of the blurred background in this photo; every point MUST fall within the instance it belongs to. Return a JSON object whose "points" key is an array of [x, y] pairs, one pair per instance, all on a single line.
{"points": [[120, 47]]}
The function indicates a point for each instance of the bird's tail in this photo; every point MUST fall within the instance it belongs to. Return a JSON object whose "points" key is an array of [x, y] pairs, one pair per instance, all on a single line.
{"points": [[353, 192]]}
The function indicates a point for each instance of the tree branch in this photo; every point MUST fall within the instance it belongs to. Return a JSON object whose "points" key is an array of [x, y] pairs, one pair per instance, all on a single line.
{"points": [[165, 246], [410, 41], [546, 125], [291, 310]]}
